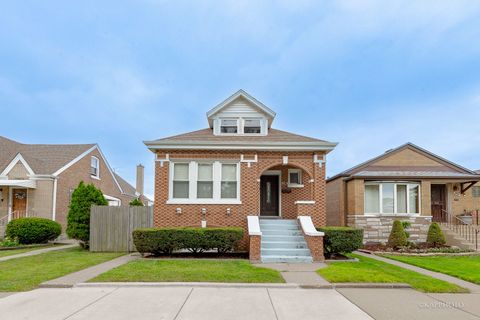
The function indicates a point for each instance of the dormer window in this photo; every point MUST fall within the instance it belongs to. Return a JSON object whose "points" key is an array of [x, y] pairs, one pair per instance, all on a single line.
{"points": [[229, 126], [252, 126]]}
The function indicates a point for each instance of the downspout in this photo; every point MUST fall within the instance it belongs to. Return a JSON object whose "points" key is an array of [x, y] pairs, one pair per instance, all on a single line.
{"points": [[54, 199]]}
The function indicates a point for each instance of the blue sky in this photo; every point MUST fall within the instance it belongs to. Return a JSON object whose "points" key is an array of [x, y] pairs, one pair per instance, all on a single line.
{"points": [[371, 75]]}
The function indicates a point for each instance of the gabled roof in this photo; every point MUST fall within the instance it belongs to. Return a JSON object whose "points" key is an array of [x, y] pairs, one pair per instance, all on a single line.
{"points": [[275, 140], [367, 169], [42, 158], [127, 188], [243, 94]]}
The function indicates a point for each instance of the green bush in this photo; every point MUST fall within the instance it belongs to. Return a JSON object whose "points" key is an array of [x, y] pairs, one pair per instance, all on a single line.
{"points": [[33, 230], [397, 237], [341, 240], [167, 240], [435, 236], [78, 220], [136, 203]]}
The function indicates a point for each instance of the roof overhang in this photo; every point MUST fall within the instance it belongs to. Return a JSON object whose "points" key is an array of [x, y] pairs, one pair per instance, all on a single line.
{"points": [[32, 184], [241, 145], [460, 179]]}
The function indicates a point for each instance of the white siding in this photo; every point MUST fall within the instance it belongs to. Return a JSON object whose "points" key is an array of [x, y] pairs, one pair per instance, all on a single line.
{"points": [[240, 108]]}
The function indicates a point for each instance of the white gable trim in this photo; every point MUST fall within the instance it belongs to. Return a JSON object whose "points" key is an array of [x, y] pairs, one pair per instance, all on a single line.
{"points": [[81, 156], [12, 164], [249, 98]]}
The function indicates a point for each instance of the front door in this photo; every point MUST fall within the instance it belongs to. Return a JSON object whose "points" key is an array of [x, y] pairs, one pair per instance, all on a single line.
{"points": [[439, 203], [269, 196], [19, 203]]}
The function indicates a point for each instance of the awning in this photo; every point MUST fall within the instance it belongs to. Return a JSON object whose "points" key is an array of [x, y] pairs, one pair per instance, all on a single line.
{"points": [[18, 183]]}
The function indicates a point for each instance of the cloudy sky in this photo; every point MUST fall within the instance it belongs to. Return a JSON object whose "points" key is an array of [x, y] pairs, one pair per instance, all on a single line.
{"points": [[371, 75]]}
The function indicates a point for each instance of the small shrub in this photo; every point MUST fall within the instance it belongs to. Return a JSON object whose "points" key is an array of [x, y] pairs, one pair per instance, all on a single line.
{"points": [[136, 203], [166, 240], [33, 230], [78, 219], [435, 236], [341, 240], [397, 237], [406, 225], [8, 242]]}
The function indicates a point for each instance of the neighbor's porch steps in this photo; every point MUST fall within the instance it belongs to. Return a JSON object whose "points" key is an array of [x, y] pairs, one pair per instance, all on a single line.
{"points": [[283, 241], [455, 239]]}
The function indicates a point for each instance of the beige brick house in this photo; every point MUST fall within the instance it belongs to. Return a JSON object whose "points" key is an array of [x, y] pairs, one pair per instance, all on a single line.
{"points": [[407, 183], [38, 179], [239, 167]]}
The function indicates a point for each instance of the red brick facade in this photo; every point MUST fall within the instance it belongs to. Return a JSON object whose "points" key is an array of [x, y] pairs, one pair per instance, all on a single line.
{"points": [[217, 215]]}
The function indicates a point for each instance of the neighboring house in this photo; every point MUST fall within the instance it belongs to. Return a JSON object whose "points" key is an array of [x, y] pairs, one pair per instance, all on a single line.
{"points": [[38, 179], [237, 167], [407, 183]]}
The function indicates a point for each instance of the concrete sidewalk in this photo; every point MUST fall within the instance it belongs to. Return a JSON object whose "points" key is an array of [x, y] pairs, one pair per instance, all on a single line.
{"points": [[39, 251], [300, 273], [474, 288], [179, 303], [89, 273]]}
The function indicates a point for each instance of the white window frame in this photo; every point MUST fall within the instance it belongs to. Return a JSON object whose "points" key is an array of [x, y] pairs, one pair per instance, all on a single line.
{"points": [[241, 126], [300, 178], [193, 179], [408, 184], [97, 175]]}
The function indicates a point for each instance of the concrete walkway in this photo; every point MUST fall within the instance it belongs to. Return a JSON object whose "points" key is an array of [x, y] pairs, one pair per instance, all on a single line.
{"points": [[303, 274], [179, 303], [474, 288], [39, 251], [89, 273]]}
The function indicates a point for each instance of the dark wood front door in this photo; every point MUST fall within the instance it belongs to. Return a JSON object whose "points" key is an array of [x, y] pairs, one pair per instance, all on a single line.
{"points": [[19, 203], [439, 202], [269, 196]]}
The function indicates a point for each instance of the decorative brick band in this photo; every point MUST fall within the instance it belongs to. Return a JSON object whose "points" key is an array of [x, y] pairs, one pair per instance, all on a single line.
{"points": [[255, 245]]}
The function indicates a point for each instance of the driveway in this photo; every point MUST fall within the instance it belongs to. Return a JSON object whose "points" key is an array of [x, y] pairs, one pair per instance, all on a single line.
{"points": [[178, 303]]}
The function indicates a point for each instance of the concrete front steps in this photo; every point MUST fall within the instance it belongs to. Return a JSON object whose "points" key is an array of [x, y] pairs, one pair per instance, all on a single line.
{"points": [[455, 239], [283, 241]]}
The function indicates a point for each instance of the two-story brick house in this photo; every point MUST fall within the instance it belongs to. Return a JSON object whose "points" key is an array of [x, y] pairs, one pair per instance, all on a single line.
{"points": [[239, 167]]}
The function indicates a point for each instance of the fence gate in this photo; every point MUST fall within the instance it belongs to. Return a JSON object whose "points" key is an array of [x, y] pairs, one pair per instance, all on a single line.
{"points": [[111, 227]]}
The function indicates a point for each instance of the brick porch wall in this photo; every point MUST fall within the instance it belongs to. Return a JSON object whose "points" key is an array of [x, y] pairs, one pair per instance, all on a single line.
{"points": [[165, 214]]}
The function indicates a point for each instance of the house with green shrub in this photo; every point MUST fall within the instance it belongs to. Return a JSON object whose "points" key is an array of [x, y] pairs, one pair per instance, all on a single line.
{"points": [[241, 172], [407, 184], [37, 180]]}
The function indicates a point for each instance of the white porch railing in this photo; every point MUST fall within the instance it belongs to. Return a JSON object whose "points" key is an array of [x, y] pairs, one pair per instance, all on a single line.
{"points": [[469, 232]]}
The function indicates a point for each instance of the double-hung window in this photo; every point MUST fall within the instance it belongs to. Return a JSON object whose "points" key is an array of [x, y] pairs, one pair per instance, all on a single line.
{"points": [[204, 182], [229, 181], [252, 126], [94, 167], [229, 126], [181, 183], [392, 198]]}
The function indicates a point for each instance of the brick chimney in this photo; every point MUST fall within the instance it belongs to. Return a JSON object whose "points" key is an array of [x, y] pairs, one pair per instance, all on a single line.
{"points": [[140, 178]]}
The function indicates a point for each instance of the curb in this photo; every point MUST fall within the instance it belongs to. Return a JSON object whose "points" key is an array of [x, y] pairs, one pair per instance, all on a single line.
{"points": [[55, 286], [185, 284], [372, 286]]}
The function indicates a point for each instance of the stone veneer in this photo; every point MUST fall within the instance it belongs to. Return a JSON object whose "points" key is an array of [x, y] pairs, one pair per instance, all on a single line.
{"points": [[377, 228]]}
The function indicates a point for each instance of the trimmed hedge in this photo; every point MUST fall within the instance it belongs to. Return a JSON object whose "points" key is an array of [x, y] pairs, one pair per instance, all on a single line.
{"points": [[166, 240], [435, 236], [397, 237], [341, 240], [33, 230]]}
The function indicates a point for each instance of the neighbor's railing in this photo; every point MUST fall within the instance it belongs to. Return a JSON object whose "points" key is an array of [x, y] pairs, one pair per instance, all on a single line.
{"points": [[469, 232]]}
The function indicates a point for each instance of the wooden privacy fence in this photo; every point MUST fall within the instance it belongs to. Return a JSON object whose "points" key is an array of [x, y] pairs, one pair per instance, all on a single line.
{"points": [[111, 227]]}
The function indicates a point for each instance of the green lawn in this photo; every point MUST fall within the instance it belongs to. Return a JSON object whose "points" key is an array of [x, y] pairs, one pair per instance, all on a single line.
{"points": [[26, 273], [370, 270], [189, 271], [5, 253], [463, 267]]}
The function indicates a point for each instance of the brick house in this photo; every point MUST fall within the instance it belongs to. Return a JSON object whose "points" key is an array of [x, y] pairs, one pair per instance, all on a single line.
{"points": [[241, 172], [38, 179], [407, 183]]}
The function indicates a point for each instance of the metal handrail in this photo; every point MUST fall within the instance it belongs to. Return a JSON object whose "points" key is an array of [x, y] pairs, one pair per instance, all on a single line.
{"points": [[467, 231]]}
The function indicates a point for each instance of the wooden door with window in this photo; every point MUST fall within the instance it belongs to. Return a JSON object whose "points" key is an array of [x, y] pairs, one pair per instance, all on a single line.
{"points": [[439, 203], [19, 203], [269, 196]]}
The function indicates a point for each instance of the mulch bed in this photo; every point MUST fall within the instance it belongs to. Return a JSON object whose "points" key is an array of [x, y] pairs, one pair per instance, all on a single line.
{"points": [[420, 249]]}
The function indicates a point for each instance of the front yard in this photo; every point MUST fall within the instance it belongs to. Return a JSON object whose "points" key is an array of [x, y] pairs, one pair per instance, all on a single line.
{"points": [[373, 271], [463, 267], [26, 273], [194, 270], [6, 253]]}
